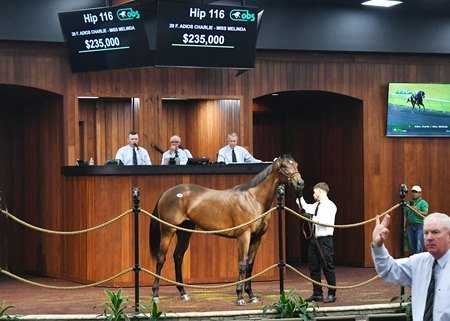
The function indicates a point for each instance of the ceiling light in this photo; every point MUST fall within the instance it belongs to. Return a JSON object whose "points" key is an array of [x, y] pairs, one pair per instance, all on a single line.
{"points": [[381, 3]]}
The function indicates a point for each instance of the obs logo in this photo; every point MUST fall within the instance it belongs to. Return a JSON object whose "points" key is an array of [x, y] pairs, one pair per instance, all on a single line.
{"points": [[241, 15], [128, 14]]}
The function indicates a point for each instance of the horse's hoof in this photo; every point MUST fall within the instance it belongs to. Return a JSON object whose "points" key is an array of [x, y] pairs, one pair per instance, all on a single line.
{"points": [[253, 300], [185, 297], [240, 302], [156, 299]]}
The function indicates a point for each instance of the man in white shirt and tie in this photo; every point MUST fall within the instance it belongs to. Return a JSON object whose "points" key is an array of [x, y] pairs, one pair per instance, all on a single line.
{"points": [[416, 271], [133, 154], [176, 152], [321, 246], [233, 153]]}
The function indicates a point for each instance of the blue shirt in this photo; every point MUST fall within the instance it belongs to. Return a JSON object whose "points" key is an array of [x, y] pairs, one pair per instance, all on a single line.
{"points": [[242, 155], [415, 272], [183, 154], [125, 154]]}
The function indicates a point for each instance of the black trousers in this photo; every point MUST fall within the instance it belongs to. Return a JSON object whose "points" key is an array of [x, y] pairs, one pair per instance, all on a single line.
{"points": [[315, 263]]}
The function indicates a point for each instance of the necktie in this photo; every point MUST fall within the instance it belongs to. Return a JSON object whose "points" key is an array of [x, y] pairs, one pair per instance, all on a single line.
{"points": [[135, 162], [233, 156], [428, 314], [317, 209], [315, 214], [176, 153]]}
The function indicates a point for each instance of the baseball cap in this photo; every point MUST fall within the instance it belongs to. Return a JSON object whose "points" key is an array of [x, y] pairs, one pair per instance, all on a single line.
{"points": [[416, 188]]}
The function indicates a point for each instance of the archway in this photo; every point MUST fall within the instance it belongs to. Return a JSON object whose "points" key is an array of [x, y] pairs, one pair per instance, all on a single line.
{"points": [[31, 141], [324, 133]]}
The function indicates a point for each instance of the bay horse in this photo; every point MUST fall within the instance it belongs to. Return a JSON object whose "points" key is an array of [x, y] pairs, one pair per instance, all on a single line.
{"points": [[191, 206], [417, 99]]}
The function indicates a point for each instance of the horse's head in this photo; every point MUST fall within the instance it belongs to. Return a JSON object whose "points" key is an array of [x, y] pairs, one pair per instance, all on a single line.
{"points": [[288, 173]]}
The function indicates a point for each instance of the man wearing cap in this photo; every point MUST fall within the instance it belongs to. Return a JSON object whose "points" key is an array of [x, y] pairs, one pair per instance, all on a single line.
{"points": [[414, 221]]}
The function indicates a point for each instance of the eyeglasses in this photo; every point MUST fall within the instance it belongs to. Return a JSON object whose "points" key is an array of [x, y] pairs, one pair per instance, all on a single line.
{"points": [[174, 142], [415, 192]]}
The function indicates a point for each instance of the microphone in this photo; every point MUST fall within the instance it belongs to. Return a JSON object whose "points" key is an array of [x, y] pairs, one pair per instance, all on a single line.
{"points": [[222, 161], [157, 148], [217, 159]]}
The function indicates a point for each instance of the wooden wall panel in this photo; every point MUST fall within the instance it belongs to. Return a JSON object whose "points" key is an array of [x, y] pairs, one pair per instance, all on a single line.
{"points": [[203, 124], [30, 178], [209, 124], [323, 133], [106, 124], [107, 251]]}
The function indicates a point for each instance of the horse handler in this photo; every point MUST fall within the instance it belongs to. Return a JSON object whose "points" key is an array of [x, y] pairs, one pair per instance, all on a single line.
{"points": [[321, 246]]}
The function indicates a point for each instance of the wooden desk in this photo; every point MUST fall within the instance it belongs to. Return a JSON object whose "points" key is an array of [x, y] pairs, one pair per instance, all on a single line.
{"points": [[96, 194]]}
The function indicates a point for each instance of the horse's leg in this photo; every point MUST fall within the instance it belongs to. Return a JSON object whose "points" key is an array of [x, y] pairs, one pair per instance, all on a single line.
{"points": [[253, 249], [166, 238], [243, 243], [183, 239]]}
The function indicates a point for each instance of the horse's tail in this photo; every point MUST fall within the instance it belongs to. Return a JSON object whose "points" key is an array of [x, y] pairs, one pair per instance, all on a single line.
{"points": [[155, 233]]}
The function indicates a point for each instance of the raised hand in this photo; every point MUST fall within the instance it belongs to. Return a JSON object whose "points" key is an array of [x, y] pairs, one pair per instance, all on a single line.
{"points": [[380, 232]]}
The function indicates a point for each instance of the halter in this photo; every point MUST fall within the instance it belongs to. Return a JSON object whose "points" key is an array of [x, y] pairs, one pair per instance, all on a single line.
{"points": [[286, 175]]}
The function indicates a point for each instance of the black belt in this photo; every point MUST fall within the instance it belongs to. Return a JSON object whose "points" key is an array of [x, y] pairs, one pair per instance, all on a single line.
{"points": [[319, 237]]}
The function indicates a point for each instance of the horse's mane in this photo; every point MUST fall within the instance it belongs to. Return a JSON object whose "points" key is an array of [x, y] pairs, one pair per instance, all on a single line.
{"points": [[255, 180], [260, 177]]}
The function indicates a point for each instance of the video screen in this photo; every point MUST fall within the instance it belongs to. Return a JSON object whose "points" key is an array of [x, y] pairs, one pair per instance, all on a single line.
{"points": [[418, 110], [209, 36], [106, 38]]}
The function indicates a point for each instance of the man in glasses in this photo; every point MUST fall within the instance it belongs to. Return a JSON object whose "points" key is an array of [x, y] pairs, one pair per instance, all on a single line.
{"points": [[414, 221], [176, 155]]}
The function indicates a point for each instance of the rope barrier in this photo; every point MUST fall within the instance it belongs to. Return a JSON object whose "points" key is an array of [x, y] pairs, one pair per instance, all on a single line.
{"points": [[33, 227], [213, 287], [211, 231], [414, 210], [210, 287], [52, 287], [345, 225], [342, 287], [201, 231], [193, 286]]}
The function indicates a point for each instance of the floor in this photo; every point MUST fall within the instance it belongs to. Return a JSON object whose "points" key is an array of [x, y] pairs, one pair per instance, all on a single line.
{"points": [[28, 299]]}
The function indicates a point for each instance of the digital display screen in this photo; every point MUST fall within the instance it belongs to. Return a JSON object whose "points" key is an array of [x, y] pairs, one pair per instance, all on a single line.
{"points": [[195, 35], [106, 38], [418, 109]]}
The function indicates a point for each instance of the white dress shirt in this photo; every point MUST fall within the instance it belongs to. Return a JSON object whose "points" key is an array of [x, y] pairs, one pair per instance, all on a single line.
{"points": [[242, 155], [125, 154], [183, 154], [325, 214], [415, 272]]}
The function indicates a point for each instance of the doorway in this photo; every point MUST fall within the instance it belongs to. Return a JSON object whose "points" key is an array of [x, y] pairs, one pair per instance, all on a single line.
{"points": [[323, 131], [31, 141]]}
